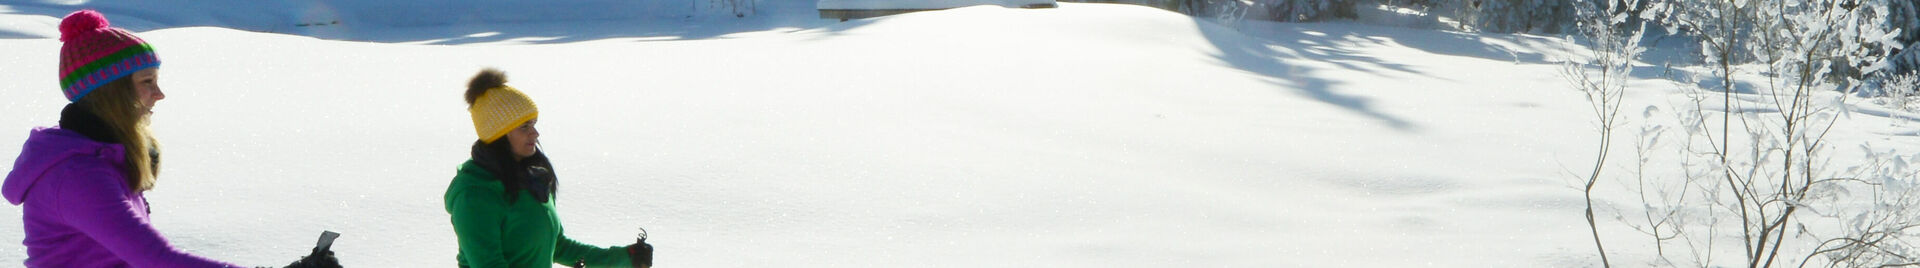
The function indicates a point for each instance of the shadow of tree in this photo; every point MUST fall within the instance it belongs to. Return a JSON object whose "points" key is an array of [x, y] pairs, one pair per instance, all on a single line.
{"points": [[1259, 55]]}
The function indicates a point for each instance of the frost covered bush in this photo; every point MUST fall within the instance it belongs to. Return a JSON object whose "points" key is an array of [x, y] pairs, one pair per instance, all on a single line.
{"points": [[1875, 31], [1615, 43], [1902, 92], [1220, 9], [1767, 179], [1308, 10], [1275, 10], [1296, 10], [1512, 16], [738, 8], [1517, 16], [1417, 4], [1172, 5]]}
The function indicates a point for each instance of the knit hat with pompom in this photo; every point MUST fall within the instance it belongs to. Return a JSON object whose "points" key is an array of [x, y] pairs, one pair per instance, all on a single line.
{"points": [[496, 107], [92, 54]]}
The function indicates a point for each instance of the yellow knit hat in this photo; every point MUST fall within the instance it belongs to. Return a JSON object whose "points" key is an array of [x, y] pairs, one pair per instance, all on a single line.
{"points": [[499, 111]]}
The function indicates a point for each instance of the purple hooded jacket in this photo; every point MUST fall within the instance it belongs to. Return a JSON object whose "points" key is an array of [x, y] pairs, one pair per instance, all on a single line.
{"points": [[78, 210]]}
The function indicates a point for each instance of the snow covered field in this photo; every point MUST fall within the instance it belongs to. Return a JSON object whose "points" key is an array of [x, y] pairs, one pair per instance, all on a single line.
{"points": [[1080, 136]]}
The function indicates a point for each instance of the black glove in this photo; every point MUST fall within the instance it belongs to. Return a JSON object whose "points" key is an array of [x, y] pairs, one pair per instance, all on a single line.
{"points": [[642, 254], [318, 259], [640, 251]]}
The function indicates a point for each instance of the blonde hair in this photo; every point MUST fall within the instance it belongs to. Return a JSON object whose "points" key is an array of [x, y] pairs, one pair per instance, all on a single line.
{"points": [[117, 104]]}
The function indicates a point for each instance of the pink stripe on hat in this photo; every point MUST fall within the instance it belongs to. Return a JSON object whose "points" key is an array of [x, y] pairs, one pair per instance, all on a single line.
{"points": [[107, 47]]}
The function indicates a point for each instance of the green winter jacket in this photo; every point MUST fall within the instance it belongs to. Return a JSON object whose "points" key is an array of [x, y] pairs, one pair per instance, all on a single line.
{"points": [[526, 233]]}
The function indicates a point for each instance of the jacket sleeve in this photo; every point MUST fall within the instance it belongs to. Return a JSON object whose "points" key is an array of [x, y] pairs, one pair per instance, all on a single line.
{"points": [[107, 215], [565, 251], [478, 228]]}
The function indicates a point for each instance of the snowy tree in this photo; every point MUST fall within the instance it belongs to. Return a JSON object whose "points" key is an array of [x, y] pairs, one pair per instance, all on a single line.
{"points": [[1809, 47], [1901, 92], [1905, 15], [1296, 10], [1308, 10], [1512, 16], [1228, 11], [1231, 11], [1908, 61], [1735, 32], [1516, 16], [1771, 187], [1826, 44], [1415, 3], [1725, 28], [1614, 43], [737, 8]]}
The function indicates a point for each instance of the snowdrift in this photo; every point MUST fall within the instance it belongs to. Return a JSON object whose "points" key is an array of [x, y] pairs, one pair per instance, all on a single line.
{"points": [[1086, 135]]}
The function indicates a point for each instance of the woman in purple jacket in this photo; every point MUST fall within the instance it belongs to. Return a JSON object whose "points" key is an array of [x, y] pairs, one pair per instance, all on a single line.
{"points": [[81, 184]]}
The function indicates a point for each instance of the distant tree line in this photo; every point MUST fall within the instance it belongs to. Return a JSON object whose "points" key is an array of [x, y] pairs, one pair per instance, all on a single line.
{"points": [[1560, 17]]}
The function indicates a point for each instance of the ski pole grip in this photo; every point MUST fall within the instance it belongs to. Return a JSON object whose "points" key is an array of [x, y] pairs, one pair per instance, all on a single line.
{"points": [[326, 241]]}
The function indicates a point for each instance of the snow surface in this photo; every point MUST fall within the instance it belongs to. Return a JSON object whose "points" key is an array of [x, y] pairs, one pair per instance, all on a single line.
{"points": [[1086, 135]]}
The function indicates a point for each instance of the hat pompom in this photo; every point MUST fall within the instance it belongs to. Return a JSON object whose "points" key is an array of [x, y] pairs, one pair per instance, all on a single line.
{"points": [[79, 22], [488, 78]]}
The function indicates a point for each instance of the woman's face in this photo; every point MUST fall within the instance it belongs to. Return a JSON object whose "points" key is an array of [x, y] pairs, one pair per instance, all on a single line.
{"points": [[525, 139], [146, 84]]}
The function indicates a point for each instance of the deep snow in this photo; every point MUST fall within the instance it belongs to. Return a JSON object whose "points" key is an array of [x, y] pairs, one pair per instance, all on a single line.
{"points": [[1085, 135]]}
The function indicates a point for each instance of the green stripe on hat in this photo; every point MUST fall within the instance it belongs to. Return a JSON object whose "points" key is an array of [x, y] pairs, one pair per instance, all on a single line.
{"points": [[67, 79]]}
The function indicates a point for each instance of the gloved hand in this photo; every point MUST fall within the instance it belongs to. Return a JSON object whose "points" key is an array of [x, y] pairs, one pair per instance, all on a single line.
{"points": [[318, 259], [642, 254], [640, 251]]}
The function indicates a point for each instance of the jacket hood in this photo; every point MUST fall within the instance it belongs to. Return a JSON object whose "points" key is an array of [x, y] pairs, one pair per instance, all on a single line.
{"points": [[46, 148]]}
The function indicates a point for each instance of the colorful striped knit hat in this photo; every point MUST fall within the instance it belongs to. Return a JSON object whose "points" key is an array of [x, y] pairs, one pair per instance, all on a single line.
{"points": [[500, 110], [93, 54]]}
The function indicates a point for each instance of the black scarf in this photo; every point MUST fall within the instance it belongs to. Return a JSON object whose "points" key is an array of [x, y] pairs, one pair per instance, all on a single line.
{"points": [[533, 174], [77, 118]]}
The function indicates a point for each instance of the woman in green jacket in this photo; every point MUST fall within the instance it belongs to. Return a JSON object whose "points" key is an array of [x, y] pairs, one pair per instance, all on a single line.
{"points": [[501, 201]]}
